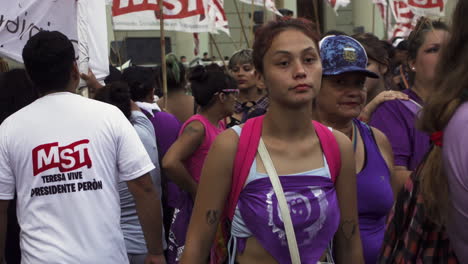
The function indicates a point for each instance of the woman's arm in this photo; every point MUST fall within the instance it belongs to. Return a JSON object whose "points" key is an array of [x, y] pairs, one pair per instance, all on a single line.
{"points": [[387, 153], [348, 247], [215, 185], [366, 113], [173, 162]]}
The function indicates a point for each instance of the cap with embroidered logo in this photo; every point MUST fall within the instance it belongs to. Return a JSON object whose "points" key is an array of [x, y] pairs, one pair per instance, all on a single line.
{"points": [[342, 54]]}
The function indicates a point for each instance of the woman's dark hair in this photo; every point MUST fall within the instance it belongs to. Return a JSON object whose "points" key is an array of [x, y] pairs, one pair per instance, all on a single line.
{"points": [[264, 36], [418, 36], [140, 80], [114, 75], [117, 94], [16, 92], [205, 84], [374, 47], [176, 79], [243, 56], [49, 57]]}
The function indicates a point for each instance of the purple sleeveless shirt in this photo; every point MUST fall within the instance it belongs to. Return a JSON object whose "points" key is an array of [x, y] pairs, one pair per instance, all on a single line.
{"points": [[375, 195]]}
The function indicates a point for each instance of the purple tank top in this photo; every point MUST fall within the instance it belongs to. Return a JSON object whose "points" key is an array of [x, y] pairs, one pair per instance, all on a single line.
{"points": [[375, 195], [314, 211]]}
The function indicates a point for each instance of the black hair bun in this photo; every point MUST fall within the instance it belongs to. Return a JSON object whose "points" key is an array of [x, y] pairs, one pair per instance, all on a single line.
{"points": [[198, 74]]}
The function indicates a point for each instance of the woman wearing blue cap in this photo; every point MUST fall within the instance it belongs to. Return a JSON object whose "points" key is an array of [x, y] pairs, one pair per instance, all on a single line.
{"points": [[340, 101]]}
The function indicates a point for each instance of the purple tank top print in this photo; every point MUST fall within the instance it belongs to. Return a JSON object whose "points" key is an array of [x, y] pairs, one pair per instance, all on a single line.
{"points": [[314, 212], [375, 195]]}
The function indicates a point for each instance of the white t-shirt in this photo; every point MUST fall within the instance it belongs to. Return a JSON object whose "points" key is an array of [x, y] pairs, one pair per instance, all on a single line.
{"points": [[65, 155]]}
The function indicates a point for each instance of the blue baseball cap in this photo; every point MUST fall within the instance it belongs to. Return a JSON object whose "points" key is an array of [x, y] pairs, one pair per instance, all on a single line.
{"points": [[341, 54]]}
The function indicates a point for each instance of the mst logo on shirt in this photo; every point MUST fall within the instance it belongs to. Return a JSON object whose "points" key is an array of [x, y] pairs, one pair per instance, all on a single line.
{"points": [[66, 158]]}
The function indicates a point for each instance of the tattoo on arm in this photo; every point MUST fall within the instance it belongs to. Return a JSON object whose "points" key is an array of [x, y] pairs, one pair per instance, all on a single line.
{"points": [[348, 228], [191, 130], [212, 217]]}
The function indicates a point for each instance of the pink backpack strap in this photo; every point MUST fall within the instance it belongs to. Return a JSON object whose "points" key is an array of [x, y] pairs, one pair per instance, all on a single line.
{"points": [[330, 148], [245, 155]]}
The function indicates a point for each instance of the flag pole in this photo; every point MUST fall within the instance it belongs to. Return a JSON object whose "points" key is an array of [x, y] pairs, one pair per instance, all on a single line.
{"points": [[386, 21], [163, 53], [252, 10], [217, 50], [373, 18], [241, 23], [317, 18]]}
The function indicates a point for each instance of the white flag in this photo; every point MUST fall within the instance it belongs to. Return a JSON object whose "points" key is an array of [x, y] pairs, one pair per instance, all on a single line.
{"points": [[335, 4], [20, 20], [269, 4]]}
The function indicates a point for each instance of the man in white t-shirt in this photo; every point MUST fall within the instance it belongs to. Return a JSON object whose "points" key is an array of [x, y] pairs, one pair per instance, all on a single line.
{"points": [[64, 155]]}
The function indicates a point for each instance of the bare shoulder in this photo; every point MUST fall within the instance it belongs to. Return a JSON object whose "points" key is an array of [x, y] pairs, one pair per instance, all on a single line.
{"points": [[226, 142], [343, 141], [381, 140], [194, 128]]}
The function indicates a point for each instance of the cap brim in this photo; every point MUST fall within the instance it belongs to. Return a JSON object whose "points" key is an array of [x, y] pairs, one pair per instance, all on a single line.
{"points": [[352, 69]]}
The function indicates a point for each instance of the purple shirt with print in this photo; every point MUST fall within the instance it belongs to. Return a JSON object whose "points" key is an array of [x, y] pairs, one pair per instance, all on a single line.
{"points": [[455, 157], [397, 121]]}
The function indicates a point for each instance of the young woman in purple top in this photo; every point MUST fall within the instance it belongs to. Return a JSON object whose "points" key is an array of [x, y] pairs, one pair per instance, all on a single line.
{"points": [[338, 104], [445, 174], [215, 92], [287, 60], [397, 118]]}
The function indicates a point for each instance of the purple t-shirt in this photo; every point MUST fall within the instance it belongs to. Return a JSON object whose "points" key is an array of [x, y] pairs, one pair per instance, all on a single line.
{"points": [[398, 122], [455, 157]]}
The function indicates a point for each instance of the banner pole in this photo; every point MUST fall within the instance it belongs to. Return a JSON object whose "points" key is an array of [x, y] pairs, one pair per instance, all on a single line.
{"points": [[387, 22], [373, 18], [241, 24], [317, 18], [163, 52], [252, 10], [217, 50]]}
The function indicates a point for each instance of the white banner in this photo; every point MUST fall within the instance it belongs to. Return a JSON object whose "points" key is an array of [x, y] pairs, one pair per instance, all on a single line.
{"points": [[92, 32], [335, 4], [269, 4], [192, 16], [22, 19], [407, 13]]}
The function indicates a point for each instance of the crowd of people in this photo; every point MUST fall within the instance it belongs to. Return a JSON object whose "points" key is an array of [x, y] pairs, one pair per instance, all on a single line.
{"points": [[307, 148]]}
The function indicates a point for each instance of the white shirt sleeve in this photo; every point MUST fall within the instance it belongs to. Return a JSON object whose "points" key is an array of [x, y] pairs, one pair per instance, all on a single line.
{"points": [[132, 159], [7, 178]]}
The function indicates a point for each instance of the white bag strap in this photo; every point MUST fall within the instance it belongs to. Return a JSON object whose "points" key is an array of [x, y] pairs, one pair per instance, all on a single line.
{"points": [[283, 205]]}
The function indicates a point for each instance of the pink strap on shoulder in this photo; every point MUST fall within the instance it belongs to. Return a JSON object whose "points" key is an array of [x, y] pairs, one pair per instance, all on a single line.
{"points": [[330, 148], [245, 155]]}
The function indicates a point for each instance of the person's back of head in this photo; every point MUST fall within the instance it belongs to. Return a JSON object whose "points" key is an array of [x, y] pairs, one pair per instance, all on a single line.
{"points": [[141, 82], [114, 75], [206, 84], [49, 58], [117, 94], [16, 91], [175, 74]]}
